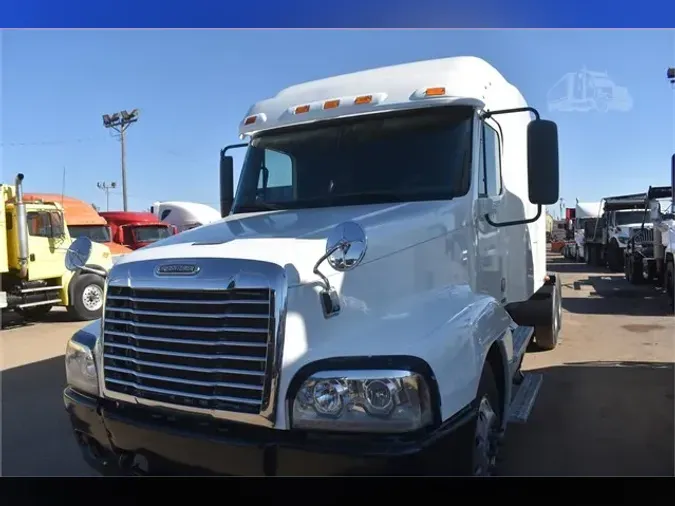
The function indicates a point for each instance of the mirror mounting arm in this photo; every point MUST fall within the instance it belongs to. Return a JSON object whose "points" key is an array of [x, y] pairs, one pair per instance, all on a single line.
{"points": [[516, 222], [91, 270], [489, 114]]}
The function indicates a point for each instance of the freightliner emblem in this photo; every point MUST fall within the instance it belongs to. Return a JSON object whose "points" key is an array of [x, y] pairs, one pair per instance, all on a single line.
{"points": [[177, 270]]}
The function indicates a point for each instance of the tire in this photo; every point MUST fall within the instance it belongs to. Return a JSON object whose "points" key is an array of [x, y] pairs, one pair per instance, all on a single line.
{"points": [[87, 297], [615, 257], [35, 313], [634, 272], [546, 336], [487, 427], [670, 285]]}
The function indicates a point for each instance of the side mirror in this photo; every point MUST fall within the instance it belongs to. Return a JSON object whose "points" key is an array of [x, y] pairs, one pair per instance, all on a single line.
{"points": [[226, 183], [542, 162], [78, 254]]}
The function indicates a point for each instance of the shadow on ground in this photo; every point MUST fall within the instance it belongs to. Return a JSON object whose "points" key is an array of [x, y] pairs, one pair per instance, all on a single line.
{"points": [[597, 419], [12, 320], [36, 435]]}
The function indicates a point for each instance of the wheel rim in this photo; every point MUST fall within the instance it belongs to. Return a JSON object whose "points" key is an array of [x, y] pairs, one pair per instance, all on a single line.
{"points": [[485, 440], [92, 298]]}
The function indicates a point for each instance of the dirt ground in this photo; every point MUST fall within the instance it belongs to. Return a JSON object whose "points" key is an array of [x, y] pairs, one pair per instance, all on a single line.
{"points": [[605, 407]]}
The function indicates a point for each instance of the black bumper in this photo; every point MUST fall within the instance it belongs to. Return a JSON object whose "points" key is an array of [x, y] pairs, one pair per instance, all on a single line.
{"points": [[114, 436]]}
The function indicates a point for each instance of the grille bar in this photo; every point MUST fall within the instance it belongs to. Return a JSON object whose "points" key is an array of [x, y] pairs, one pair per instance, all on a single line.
{"points": [[201, 348]]}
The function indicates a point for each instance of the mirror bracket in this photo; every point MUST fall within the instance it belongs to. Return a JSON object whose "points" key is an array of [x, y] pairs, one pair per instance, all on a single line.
{"points": [[489, 114]]}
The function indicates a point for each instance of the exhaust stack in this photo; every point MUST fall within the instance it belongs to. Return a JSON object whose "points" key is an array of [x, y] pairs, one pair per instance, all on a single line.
{"points": [[22, 225]]}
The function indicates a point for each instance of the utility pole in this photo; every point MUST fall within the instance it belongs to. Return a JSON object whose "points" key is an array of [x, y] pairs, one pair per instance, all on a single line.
{"points": [[119, 122], [102, 185]]}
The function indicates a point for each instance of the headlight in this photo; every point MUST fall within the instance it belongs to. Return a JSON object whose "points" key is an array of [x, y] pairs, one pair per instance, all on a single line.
{"points": [[363, 401], [622, 239], [81, 371]]}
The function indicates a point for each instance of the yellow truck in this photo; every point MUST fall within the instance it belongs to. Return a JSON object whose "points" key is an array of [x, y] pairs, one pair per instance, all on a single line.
{"points": [[34, 239]]}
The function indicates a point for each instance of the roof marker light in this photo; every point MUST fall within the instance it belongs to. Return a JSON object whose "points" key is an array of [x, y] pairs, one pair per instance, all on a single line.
{"points": [[434, 92], [250, 120], [331, 104], [364, 99], [301, 109]]}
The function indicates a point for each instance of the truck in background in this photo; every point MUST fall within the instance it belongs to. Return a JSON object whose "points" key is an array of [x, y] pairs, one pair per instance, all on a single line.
{"points": [[185, 215], [582, 213], [356, 311], [136, 229], [34, 238], [82, 220], [606, 237]]}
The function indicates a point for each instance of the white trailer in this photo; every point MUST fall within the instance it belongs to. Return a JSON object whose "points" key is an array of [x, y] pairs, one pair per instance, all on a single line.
{"points": [[184, 215], [365, 305]]}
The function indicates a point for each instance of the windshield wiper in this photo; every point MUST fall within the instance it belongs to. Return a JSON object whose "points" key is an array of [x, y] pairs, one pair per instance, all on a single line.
{"points": [[258, 206]]}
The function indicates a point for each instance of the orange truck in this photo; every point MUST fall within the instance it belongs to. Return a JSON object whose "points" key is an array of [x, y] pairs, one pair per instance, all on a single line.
{"points": [[82, 220]]}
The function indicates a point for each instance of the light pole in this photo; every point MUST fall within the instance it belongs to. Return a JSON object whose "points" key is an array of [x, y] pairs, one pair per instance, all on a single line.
{"points": [[119, 122], [102, 185]]}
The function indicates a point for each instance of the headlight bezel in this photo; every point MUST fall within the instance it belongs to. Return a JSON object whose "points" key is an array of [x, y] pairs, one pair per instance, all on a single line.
{"points": [[81, 368], [368, 369]]}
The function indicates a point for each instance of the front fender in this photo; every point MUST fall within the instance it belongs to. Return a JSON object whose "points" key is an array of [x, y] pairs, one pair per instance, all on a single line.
{"points": [[451, 329]]}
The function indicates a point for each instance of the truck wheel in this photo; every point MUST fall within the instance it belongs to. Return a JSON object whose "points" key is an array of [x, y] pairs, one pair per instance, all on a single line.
{"points": [[670, 285], [488, 425], [34, 313], [615, 257], [634, 272], [546, 336], [87, 297]]}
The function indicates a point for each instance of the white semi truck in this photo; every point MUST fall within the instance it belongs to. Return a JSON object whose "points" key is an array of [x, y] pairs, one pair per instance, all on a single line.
{"points": [[363, 307]]}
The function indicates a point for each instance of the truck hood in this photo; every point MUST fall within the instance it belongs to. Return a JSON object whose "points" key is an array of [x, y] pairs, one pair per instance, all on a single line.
{"points": [[297, 238], [117, 249]]}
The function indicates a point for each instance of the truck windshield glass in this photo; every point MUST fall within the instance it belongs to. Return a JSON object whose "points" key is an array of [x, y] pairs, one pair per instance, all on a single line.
{"points": [[412, 156], [97, 233], [151, 233], [631, 217]]}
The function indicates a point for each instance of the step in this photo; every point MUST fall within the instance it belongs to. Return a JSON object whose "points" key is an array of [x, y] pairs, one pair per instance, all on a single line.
{"points": [[524, 397], [521, 338]]}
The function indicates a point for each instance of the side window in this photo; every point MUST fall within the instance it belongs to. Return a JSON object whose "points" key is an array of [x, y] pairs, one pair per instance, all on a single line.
{"points": [[275, 182], [165, 214], [491, 184], [38, 224], [58, 229]]}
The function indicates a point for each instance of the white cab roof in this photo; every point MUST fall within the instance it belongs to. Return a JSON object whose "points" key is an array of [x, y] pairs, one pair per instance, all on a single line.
{"points": [[466, 79]]}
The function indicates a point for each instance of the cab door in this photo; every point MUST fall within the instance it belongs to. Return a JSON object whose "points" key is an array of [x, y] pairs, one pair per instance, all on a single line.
{"points": [[48, 242]]}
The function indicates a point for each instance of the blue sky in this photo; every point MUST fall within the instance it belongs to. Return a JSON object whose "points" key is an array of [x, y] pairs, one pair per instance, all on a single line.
{"points": [[193, 88]]}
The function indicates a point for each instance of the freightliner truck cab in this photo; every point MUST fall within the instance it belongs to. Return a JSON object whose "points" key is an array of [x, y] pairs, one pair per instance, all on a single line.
{"points": [[364, 304]]}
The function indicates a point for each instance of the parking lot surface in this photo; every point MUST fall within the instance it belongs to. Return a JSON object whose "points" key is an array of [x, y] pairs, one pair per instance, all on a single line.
{"points": [[605, 407]]}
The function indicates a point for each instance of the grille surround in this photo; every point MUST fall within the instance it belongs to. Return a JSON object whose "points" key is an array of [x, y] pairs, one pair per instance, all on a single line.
{"points": [[127, 327]]}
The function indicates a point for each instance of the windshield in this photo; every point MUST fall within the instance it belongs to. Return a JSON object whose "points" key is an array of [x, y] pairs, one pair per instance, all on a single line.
{"points": [[423, 155], [151, 233], [631, 217], [97, 233]]}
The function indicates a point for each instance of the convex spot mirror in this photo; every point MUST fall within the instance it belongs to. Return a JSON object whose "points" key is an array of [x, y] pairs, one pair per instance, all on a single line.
{"points": [[78, 253], [542, 162]]}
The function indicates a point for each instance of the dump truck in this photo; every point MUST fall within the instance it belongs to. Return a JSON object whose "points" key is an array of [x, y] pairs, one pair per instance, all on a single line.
{"points": [[355, 311], [83, 220], [33, 244], [136, 229]]}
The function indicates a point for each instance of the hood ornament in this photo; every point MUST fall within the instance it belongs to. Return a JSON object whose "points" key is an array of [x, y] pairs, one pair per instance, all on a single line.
{"points": [[345, 248], [177, 270]]}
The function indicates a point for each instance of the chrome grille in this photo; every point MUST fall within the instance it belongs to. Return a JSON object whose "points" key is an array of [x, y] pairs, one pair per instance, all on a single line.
{"points": [[206, 349], [643, 236]]}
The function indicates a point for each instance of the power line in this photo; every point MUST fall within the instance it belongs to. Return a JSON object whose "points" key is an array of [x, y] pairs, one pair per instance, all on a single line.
{"points": [[49, 143]]}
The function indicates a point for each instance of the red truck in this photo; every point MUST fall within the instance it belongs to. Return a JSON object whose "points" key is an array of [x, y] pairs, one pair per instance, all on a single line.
{"points": [[135, 230]]}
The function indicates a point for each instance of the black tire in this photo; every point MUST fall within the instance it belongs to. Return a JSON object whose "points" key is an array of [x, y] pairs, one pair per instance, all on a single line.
{"points": [[546, 336], [484, 450], [634, 272], [670, 285], [34, 313], [84, 285], [615, 257]]}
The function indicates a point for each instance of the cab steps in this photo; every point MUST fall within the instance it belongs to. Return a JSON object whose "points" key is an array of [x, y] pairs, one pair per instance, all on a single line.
{"points": [[524, 396]]}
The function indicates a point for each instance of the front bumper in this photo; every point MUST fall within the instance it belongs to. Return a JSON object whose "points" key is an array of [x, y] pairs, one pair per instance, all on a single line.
{"points": [[119, 439]]}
